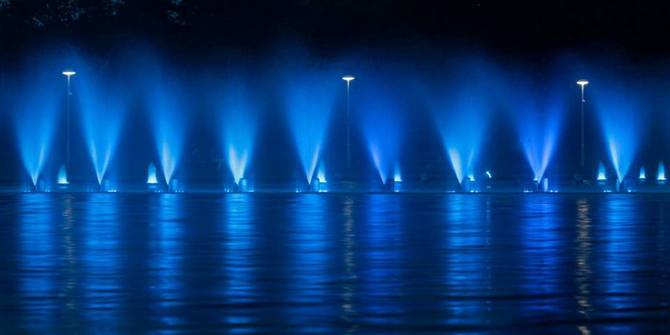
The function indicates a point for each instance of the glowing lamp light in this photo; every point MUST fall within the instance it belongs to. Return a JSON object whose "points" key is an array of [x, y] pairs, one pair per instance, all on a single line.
{"points": [[321, 177], [643, 174], [660, 176], [348, 78], [488, 174], [69, 73], [471, 177], [582, 82], [151, 175], [62, 176], [602, 175]]}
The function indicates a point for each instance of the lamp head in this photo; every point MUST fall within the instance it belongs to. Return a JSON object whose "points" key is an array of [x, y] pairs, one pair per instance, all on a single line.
{"points": [[348, 78], [69, 73], [582, 82]]}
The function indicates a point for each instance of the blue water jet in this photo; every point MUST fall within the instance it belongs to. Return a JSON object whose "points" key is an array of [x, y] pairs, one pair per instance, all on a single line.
{"points": [[309, 101], [381, 126], [151, 174], [102, 110], [660, 175], [168, 121], [462, 122], [239, 124], [62, 176], [538, 123], [461, 112], [602, 173], [37, 108], [621, 117]]}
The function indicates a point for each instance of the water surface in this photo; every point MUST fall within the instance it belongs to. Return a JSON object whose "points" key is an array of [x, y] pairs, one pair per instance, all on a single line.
{"points": [[334, 263]]}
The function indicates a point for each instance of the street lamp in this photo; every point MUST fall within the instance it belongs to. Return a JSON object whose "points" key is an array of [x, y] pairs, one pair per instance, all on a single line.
{"points": [[582, 84], [68, 74], [348, 79]]}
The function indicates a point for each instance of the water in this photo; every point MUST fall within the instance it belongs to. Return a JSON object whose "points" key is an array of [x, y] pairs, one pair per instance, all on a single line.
{"points": [[334, 263]]}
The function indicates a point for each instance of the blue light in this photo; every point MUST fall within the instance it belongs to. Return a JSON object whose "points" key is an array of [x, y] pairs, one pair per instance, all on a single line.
{"points": [[36, 111], [488, 174], [660, 176], [621, 117], [462, 129], [239, 126], [381, 126], [462, 114], [538, 120], [643, 174], [397, 176], [62, 176], [321, 175], [103, 107], [309, 100], [168, 120], [151, 174], [602, 173]]}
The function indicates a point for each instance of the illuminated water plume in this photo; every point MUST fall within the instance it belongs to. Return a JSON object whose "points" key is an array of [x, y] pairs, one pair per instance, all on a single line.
{"points": [[309, 100], [239, 126], [602, 173], [381, 127], [168, 121], [41, 93], [660, 174], [461, 111], [102, 111], [621, 116]]}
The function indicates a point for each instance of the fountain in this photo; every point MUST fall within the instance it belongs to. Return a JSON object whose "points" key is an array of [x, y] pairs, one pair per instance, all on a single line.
{"points": [[462, 109], [538, 125], [621, 117], [103, 107], [36, 112], [660, 174], [381, 127], [62, 176], [238, 112], [309, 102], [151, 175], [461, 114]]}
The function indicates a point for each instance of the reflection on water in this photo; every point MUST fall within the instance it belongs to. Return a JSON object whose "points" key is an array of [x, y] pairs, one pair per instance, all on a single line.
{"points": [[334, 263], [239, 241], [38, 262], [467, 277]]}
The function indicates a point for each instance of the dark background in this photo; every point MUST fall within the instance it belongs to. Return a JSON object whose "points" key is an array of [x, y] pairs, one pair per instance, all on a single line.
{"points": [[638, 28]]}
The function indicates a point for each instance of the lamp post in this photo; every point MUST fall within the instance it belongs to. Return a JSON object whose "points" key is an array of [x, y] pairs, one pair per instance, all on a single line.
{"points": [[348, 79], [68, 74], [582, 84]]}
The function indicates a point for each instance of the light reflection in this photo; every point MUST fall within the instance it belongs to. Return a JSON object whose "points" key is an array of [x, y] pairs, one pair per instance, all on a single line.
{"points": [[167, 258], [310, 246], [583, 275], [38, 285], [239, 261], [382, 271], [348, 294], [618, 263], [466, 236], [541, 271], [70, 269], [101, 256]]}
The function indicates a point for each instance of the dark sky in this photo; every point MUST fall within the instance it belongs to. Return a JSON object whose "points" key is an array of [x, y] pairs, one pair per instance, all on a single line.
{"points": [[640, 28]]}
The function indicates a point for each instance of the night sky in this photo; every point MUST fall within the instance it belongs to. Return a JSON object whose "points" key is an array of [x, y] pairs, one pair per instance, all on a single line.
{"points": [[519, 28]]}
